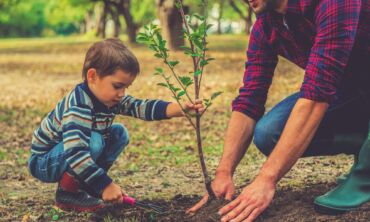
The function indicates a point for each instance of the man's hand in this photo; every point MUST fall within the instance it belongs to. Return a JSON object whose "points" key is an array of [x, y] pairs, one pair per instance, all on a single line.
{"points": [[254, 199], [113, 193], [222, 186]]}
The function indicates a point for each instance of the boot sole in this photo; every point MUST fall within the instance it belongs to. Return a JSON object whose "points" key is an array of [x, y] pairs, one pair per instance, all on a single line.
{"points": [[331, 211], [70, 207]]}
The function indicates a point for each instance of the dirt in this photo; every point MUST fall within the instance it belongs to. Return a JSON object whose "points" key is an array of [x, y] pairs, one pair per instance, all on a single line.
{"points": [[288, 205]]}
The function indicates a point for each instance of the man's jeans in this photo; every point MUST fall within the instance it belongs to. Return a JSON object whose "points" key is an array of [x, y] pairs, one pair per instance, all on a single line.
{"points": [[343, 129], [49, 167]]}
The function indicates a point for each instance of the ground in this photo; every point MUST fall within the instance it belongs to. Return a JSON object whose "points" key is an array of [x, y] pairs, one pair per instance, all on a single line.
{"points": [[36, 73]]}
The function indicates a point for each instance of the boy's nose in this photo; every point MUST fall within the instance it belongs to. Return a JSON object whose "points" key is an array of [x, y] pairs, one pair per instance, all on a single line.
{"points": [[121, 93]]}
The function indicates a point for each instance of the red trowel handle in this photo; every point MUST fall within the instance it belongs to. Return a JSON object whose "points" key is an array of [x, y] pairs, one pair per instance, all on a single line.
{"points": [[128, 200]]}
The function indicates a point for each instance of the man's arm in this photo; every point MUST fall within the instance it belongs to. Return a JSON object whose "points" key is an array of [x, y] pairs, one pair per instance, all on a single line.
{"points": [[297, 135], [238, 138], [298, 132]]}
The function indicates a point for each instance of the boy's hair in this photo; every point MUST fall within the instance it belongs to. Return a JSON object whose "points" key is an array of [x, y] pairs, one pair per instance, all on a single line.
{"points": [[108, 56]]}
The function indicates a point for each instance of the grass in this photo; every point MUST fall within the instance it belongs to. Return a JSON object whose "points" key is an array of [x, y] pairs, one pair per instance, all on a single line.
{"points": [[162, 156]]}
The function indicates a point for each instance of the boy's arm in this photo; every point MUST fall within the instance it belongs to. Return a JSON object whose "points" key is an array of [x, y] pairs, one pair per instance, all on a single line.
{"points": [[76, 126], [143, 109]]}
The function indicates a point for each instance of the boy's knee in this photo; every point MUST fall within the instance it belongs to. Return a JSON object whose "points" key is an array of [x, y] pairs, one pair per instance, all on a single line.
{"points": [[264, 137], [120, 134]]}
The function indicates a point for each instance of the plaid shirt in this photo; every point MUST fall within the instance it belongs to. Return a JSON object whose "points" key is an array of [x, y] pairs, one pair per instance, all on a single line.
{"points": [[330, 39]]}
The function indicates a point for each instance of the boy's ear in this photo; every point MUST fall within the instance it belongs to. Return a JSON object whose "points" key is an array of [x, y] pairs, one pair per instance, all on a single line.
{"points": [[91, 75]]}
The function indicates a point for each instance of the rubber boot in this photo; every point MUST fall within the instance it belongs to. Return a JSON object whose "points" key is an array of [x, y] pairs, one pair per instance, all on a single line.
{"points": [[343, 177], [353, 192], [69, 196]]}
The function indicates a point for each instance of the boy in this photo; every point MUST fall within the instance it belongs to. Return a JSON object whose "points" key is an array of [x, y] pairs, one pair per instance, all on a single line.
{"points": [[77, 143]]}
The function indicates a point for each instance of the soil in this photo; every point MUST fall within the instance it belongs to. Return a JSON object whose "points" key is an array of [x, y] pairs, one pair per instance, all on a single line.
{"points": [[288, 205]]}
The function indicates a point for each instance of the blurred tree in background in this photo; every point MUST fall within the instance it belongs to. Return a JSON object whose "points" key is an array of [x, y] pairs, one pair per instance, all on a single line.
{"points": [[110, 18]]}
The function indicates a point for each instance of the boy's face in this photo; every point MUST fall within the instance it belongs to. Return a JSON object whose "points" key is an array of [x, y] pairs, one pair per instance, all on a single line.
{"points": [[111, 88]]}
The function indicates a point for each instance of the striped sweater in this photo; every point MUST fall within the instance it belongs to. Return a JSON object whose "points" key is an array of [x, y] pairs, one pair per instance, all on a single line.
{"points": [[72, 121]]}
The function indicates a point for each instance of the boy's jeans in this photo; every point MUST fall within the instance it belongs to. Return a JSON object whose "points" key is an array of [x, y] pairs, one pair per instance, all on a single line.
{"points": [[49, 167], [343, 129]]}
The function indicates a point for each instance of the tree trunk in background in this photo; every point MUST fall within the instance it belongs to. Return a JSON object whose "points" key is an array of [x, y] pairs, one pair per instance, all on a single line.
{"points": [[171, 23], [220, 14], [88, 23], [123, 8], [247, 16], [115, 17], [248, 21], [100, 32]]}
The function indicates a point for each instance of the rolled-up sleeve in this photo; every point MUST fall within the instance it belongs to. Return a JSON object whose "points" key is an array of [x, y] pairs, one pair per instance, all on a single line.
{"points": [[259, 69], [336, 23]]}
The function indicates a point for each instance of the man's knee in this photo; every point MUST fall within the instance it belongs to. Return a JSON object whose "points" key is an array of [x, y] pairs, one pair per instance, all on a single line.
{"points": [[264, 137]]}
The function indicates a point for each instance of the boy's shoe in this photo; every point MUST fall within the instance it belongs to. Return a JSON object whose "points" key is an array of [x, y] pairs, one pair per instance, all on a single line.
{"points": [[78, 201], [69, 196], [353, 192]]}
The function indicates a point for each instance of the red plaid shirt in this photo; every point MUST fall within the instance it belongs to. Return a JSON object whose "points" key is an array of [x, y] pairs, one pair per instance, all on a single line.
{"points": [[330, 39]]}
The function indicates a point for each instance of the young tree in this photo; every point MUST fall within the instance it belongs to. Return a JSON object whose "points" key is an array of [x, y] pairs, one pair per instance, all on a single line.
{"points": [[179, 84]]}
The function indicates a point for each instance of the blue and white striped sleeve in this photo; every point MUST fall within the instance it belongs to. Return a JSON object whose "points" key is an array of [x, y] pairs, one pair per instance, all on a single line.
{"points": [[143, 109], [76, 126]]}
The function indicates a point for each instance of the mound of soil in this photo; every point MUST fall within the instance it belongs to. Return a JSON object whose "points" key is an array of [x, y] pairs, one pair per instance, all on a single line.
{"points": [[288, 205]]}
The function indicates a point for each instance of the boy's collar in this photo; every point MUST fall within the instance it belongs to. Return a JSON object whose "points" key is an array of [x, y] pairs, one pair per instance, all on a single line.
{"points": [[98, 106]]}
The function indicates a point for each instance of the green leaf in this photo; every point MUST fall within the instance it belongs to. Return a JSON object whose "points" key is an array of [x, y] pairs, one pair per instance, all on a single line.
{"points": [[181, 94], [55, 217], [162, 84], [199, 17], [198, 72], [203, 63], [178, 5], [196, 55], [158, 55], [142, 38], [159, 70], [173, 63], [214, 95], [186, 80]]}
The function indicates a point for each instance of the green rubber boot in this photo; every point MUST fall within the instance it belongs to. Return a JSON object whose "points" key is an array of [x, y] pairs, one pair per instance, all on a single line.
{"points": [[344, 177], [353, 192]]}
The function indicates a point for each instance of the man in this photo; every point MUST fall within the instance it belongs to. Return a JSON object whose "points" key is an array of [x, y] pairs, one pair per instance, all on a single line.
{"points": [[330, 39]]}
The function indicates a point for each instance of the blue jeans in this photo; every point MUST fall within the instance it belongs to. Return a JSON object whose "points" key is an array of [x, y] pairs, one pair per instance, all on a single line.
{"points": [[49, 167], [343, 129]]}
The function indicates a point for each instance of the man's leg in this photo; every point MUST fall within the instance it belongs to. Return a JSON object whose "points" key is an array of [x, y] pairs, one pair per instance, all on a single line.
{"points": [[342, 130], [352, 192]]}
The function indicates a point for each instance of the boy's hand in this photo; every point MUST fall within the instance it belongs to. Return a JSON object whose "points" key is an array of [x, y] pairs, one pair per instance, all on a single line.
{"points": [[193, 107], [113, 193], [174, 109]]}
